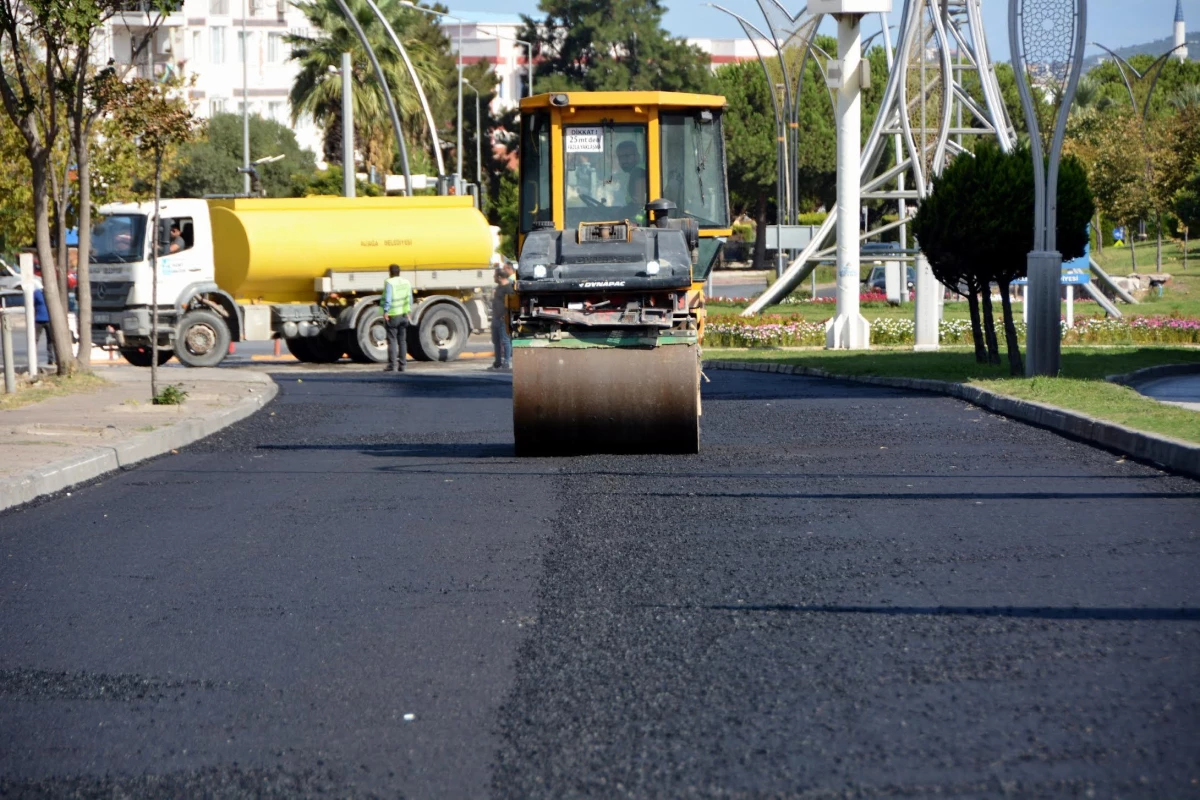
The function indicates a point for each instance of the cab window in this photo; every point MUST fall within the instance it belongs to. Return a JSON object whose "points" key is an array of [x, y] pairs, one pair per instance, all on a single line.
{"points": [[606, 176], [535, 192], [693, 165]]}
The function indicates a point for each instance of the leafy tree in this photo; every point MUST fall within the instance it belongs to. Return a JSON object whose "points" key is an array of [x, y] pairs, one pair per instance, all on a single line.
{"points": [[158, 122], [317, 89], [977, 223], [750, 144], [329, 182], [209, 164], [612, 45], [16, 196]]}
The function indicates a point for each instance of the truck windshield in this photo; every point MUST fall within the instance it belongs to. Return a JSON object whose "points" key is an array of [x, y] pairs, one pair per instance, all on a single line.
{"points": [[693, 164], [606, 176], [118, 239]]}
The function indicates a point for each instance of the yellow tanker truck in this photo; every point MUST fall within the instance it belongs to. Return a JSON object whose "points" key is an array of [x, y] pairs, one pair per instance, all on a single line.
{"points": [[306, 270]]}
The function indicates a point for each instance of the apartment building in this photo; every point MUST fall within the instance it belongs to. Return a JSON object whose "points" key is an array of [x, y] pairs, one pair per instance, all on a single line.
{"points": [[206, 41]]}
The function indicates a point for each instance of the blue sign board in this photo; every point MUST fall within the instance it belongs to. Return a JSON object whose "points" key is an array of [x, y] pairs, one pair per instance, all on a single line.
{"points": [[1076, 272]]}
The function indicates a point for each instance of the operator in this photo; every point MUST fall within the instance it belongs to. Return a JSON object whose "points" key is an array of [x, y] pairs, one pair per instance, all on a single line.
{"points": [[177, 242], [397, 305]]}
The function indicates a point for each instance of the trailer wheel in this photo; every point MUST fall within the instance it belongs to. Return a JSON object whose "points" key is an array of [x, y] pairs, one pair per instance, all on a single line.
{"points": [[325, 351], [299, 347], [367, 343], [202, 339], [442, 333], [142, 356]]}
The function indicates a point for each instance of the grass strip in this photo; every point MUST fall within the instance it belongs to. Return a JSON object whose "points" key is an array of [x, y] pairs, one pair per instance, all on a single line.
{"points": [[49, 387], [1081, 386]]}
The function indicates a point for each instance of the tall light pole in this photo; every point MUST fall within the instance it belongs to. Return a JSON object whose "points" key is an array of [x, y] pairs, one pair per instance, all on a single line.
{"points": [[478, 137], [458, 145], [245, 103], [348, 174], [1046, 33]]}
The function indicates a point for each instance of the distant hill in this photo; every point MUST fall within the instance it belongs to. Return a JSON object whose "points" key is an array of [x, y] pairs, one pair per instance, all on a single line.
{"points": [[1155, 48]]}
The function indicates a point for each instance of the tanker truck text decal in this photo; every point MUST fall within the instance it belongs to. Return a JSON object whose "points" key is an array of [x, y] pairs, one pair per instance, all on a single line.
{"points": [[386, 243]]}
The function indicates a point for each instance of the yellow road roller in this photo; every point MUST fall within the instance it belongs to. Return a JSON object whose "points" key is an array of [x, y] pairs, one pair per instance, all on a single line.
{"points": [[623, 209]]}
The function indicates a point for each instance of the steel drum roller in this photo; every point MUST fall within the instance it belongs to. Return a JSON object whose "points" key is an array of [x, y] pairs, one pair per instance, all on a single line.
{"points": [[606, 400]]}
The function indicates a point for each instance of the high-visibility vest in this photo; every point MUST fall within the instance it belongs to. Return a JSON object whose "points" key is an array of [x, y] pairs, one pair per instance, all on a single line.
{"points": [[401, 303]]}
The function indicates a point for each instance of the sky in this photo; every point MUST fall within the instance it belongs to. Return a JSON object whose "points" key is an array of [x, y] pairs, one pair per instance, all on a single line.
{"points": [[1113, 23]]}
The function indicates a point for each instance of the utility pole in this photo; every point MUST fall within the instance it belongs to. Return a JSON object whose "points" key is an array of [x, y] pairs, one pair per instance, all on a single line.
{"points": [[245, 103], [347, 127]]}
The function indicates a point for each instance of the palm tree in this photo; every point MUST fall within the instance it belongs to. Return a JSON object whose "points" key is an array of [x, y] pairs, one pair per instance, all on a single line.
{"points": [[317, 89]]}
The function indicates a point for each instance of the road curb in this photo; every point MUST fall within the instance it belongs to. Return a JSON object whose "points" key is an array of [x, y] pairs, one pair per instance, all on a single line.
{"points": [[1173, 454], [97, 461], [1148, 374]]}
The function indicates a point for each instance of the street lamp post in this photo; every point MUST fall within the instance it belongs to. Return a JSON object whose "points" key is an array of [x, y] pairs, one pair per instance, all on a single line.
{"points": [[458, 145], [478, 137], [348, 176], [245, 103]]}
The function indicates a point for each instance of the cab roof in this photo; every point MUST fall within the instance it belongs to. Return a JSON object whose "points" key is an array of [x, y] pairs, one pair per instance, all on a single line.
{"points": [[623, 100]]}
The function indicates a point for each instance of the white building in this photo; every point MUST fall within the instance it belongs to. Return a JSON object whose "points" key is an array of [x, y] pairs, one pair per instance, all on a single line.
{"points": [[204, 40], [1181, 51]]}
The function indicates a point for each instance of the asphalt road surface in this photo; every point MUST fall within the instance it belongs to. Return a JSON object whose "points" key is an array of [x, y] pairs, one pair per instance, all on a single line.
{"points": [[851, 591]]}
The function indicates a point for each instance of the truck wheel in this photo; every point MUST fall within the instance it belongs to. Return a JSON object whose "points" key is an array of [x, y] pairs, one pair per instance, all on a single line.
{"points": [[367, 343], [326, 351], [299, 347], [142, 356], [202, 339], [443, 333]]}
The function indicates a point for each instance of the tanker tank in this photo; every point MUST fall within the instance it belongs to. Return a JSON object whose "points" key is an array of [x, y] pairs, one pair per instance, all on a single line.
{"points": [[272, 250]]}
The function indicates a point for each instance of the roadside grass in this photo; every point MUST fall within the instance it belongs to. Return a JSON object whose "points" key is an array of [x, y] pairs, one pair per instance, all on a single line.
{"points": [[1081, 386], [50, 386]]}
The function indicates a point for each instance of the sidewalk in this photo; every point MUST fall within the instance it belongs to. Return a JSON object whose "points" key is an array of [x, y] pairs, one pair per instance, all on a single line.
{"points": [[56, 443]]}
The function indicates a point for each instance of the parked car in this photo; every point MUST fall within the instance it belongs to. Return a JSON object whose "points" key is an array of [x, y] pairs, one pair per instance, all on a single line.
{"points": [[877, 280]]}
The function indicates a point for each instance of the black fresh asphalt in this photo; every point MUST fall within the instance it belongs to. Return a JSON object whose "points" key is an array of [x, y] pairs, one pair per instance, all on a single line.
{"points": [[851, 591]]}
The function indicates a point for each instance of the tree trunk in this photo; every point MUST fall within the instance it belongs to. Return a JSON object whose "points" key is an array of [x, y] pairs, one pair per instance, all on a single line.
{"points": [[1099, 234], [760, 232], [59, 329], [83, 290], [60, 200], [154, 278], [976, 326], [1015, 366], [1132, 247], [989, 325]]}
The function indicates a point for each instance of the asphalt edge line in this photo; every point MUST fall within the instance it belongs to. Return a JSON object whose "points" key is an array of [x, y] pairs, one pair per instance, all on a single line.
{"points": [[1173, 454], [98, 461]]}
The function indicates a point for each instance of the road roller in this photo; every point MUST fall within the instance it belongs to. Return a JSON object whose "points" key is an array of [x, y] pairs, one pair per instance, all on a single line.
{"points": [[623, 210]]}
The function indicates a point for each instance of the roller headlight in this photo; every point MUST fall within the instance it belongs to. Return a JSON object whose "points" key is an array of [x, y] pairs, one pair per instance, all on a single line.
{"points": [[539, 270], [651, 267]]}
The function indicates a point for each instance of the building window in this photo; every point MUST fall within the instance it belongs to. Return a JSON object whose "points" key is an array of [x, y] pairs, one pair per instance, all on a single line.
{"points": [[275, 111], [216, 37], [220, 7], [245, 43], [274, 47], [197, 47], [216, 106]]}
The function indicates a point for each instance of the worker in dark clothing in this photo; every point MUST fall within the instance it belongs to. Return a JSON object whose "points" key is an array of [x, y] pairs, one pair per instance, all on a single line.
{"points": [[501, 338], [41, 321], [397, 305]]}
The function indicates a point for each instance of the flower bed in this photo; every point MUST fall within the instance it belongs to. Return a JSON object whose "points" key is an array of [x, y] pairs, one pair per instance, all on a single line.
{"points": [[780, 331]]}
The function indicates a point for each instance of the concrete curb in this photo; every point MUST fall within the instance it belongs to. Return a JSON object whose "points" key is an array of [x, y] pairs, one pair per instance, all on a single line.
{"points": [[1174, 454], [97, 461], [1153, 373]]}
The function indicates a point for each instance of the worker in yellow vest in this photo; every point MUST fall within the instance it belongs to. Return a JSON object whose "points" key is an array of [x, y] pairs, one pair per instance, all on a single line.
{"points": [[397, 305]]}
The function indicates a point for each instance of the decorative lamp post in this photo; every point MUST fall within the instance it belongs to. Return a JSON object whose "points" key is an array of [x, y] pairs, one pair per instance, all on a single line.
{"points": [[458, 144], [1047, 38]]}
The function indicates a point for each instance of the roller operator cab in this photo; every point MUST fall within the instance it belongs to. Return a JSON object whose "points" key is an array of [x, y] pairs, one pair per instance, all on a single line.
{"points": [[624, 207]]}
